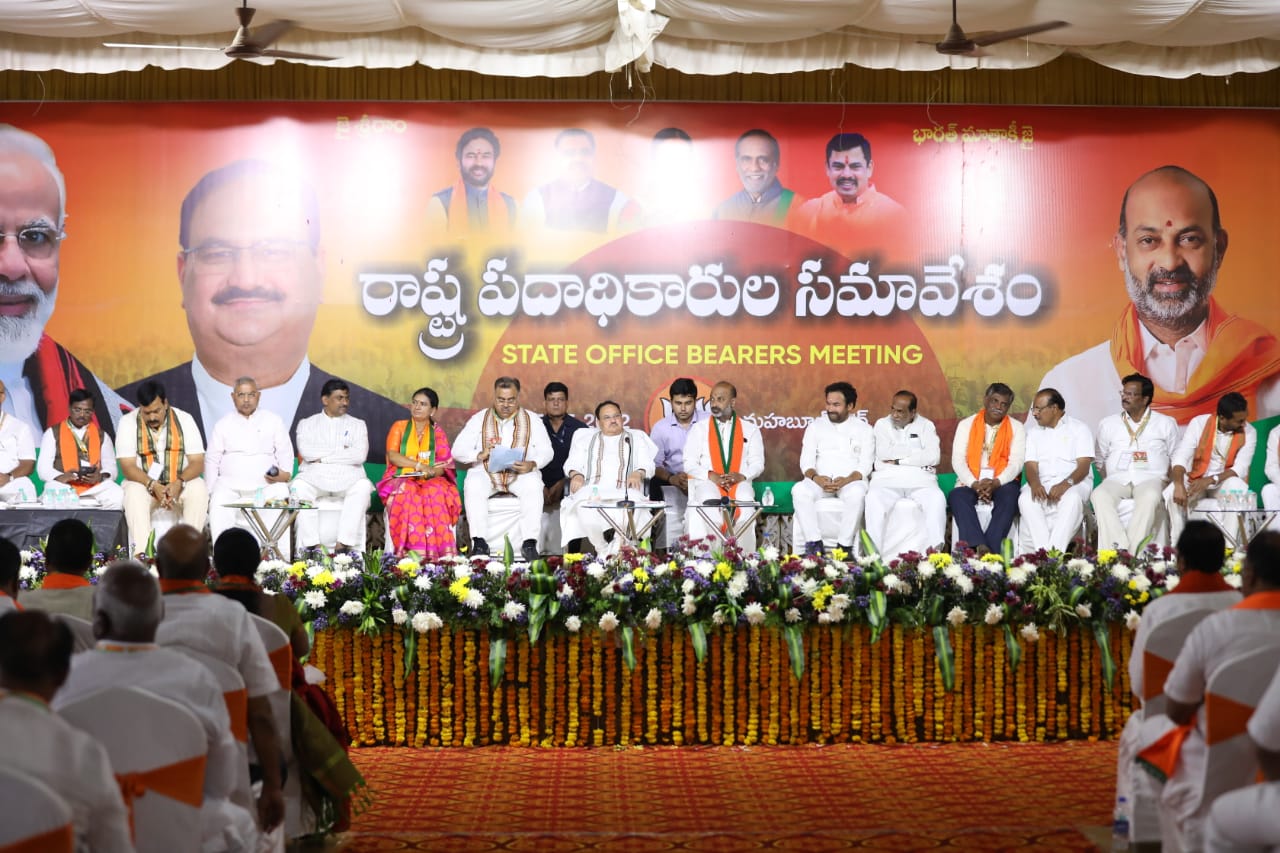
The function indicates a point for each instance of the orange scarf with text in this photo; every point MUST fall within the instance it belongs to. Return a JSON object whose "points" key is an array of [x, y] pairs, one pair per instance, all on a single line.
{"points": [[999, 457], [1204, 449], [71, 451]]}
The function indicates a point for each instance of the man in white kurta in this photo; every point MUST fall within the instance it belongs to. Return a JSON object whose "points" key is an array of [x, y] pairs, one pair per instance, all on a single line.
{"points": [[987, 455], [89, 466], [249, 458], [17, 456], [1247, 820], [905, 509], [161, 455], [722, 457], [128, 611], [507, 425], [35, 653], [605, 464], [1059, 470], [332, 446], [1134, 449], [836, 456], [1212, 459]]}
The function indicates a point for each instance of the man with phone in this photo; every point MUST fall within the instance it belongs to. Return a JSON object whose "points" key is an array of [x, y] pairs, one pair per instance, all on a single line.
{"points": [[250, 458], [77, 454]]}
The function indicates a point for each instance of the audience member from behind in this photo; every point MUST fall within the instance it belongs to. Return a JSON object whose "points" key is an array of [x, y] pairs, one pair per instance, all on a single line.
{"points": [[10, 567], [68, 555], [217, 627], [235, 558], [128, 608], [35, 654]]}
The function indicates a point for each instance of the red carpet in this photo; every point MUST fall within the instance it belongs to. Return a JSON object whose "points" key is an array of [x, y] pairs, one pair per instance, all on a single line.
{"points": [[920, 797]]}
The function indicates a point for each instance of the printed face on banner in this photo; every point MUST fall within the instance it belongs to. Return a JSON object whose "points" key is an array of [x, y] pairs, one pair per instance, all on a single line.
{"points": [[30, 219], [477, 162], [757, 163], [849, 173], [577, 153]]}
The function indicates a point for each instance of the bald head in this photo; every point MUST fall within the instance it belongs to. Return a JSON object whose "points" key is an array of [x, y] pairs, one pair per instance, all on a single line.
{"points": [[35, 652], [1164, 179], [127, 605], [183, 554]]}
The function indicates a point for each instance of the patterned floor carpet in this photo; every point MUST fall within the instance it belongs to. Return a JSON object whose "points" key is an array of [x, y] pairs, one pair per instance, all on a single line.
{"points": [[919, 797]]}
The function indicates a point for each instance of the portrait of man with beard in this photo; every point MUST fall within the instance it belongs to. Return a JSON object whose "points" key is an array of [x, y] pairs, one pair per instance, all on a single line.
{"points": [[1170, 246], [38, 373], [472, 205]]}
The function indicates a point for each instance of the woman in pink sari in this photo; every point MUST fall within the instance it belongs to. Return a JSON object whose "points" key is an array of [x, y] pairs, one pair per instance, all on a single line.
{"points": [[420, 488]]}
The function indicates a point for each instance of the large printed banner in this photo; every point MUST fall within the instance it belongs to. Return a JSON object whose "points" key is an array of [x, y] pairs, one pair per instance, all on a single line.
{"points": [[617, 247]]}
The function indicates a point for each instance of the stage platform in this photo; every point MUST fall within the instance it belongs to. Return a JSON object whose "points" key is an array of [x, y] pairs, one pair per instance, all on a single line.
{"points": [[575, 690]]}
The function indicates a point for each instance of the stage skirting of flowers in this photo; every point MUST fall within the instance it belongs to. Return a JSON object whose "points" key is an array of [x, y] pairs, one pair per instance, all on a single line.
{"points": [[576, 689]]}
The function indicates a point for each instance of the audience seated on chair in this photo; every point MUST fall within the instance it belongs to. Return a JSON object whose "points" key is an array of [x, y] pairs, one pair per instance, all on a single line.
{"points": [[128, 607], [35, 655], [987, 457], [905, 510], [68, 556], [220, 628], [332, 446], [10, 566], [76, 455], [1213, 458], [1247, 820], [836, 455]]}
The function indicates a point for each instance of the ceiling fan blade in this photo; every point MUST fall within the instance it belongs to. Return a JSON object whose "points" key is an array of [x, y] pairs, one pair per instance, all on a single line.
{"points": [[291, 54], [984, 39], [267, 34], [158, 46]]}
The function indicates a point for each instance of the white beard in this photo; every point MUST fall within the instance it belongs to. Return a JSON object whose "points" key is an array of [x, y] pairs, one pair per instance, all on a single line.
{"points": [[19, 336]]}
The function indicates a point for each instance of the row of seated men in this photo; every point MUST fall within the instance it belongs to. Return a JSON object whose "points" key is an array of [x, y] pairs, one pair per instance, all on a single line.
{"points": [[1206, 725], [169, 638]]}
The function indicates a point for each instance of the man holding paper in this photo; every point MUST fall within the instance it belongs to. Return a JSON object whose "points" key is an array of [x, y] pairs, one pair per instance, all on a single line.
{"points": [[504, 445]]}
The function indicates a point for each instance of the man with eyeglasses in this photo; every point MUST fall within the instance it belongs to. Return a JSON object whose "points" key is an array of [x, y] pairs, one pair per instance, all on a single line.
{"points": [[252, 273], [250, 458], [905, 508], [37, 372], [987, 455], [1059, 471], [78, 455]]}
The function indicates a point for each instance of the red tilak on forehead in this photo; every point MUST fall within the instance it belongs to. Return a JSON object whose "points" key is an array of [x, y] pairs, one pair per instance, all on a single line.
{"points": [[1168, 223]]}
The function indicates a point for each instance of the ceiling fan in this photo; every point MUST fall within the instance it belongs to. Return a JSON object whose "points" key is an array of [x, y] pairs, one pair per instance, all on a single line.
{"points": [[957, 43], [246, 44]]}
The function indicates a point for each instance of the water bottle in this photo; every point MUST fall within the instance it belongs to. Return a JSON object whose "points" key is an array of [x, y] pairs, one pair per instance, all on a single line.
{"points": [[767, 498], [595, 493], [1120, 826], [257, 497], [293, 494]]}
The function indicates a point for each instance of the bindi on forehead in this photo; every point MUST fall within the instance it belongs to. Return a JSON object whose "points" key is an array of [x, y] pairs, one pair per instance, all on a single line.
{"points": [[1168, 223]]}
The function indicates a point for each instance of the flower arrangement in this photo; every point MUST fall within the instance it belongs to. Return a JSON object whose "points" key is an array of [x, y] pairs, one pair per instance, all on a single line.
{"points": [[31, 573]]}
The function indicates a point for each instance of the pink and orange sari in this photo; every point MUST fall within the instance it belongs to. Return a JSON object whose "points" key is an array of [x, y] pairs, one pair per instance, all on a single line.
{"points": [[422, 512]]}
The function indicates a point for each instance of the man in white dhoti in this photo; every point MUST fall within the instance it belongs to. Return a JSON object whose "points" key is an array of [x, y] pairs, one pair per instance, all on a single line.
{"points": [[605, 464], [905, 509], [1212, 459], [250, 458], [722, 458], [332, 446], [76, 454], [1059, 469], [836, 455]]}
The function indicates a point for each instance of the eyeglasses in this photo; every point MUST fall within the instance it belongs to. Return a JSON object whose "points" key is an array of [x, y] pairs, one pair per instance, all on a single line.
{"points": [[36, 242], [219, 257], [1037, 409]]}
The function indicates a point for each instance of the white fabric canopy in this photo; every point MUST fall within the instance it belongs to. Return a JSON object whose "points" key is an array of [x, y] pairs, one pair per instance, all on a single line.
{"points": [[565, 38]]}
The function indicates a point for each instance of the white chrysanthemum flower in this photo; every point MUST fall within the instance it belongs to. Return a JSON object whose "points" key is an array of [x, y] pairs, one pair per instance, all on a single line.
{"points": [[1029, 632], [840, 601], [1234, 581], [704, 568], [1132, 619], [26, 573], [956, 616], [769, 553], [808, 563], [975, 564], [834, 615], [808, 586], [754, 613], [573, 624], [688, 586], [422, 582], [495, 568], [737, 585], [352, 608], [426, 621], [1084, 611], [953, 571], [868, 560], [595, 570], [608, 621], [312, 571], [1120, 572], [892, 582], [512, 611], [1141, 583], [399, 616], [689, 606], [717, 617], [653, 619], [25, 555], [1017, 576], [964, 583], [1171, 582], [831, 572], [1080, 566], [343, 560], [315, 599], [1159, 567], [792, 615], [474, 599], [659, 569], [994, 614], [565, 591], [925, 570], [824, 618], [462, 570]]}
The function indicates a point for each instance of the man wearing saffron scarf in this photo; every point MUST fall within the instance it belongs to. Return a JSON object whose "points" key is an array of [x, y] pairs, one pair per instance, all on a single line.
{"points": [[1179, 754], [722, 457], [854, 214], [1212, 459], [79, 455], [68, 554], [508, 425], [987, 457], [162, 457], [36, 371], [472, 204], [128, 607], [1170, 246], [35, 655], [1201, 551]]}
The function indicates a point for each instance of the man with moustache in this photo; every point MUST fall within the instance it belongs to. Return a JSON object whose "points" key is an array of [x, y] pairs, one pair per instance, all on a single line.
{"points": [[987, 453], [1212, 458], [252, 272], [836, 455], [1059, 469], [905, 509], [332, 447], [250, 456], [721, 459], [1170, 245], [38, 374], [762, 198], [854, 210], [472, 204], [576, 200], [78, 455]]}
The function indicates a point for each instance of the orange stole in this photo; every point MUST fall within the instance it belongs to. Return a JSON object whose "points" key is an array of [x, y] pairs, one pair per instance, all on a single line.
{"points": [[1241, 355], [282, 662], [1204, 449], [736, 444], [499, 217], [182, 781], [54, 841], [62, 580], [999, 450], [69, 449]]}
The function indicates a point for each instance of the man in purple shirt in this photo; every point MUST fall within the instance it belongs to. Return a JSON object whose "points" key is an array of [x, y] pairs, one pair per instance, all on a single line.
{"points": [[670, 483]]}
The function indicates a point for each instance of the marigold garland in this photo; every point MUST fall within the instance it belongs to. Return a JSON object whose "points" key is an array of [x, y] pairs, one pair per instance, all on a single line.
{"points": [[679, 684], [572, 680]]}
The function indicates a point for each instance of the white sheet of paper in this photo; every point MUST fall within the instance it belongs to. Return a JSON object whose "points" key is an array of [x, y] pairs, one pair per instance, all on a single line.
{"points": [[154, 470], [502, 458]]}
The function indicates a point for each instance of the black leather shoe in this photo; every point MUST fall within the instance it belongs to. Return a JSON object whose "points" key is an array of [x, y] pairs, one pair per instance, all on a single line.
{"points": [[479, 548], [529, 550]]}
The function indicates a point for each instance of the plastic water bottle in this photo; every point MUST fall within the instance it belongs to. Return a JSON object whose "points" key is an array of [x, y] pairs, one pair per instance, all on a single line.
{"points": [[257, 497], [1120, 826], [293, 494], [767, 498], [595, 493]]}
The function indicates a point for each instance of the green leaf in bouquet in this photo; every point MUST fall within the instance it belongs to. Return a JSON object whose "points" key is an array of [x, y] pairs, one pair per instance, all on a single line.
{"points": [[1077, 593], [628, 646], [946, 656], [933, 611], [497, 659], [410, 649], [1012, 647], [537, 616], [698, 634], [1006, 553], [150, 550], [794, 635], [877, 609], [508, 552], [1102, 636]]}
